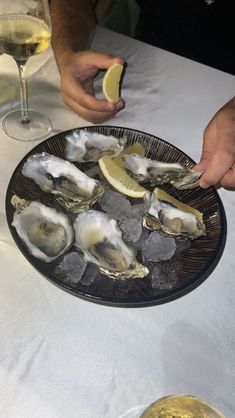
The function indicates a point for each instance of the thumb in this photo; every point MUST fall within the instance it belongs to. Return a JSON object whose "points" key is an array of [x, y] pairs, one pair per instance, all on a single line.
{"points": [[208, 148]]}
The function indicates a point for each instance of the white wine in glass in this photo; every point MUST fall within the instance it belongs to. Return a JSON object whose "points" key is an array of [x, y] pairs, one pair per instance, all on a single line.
{"points": [[181, 406], [25, 30]]}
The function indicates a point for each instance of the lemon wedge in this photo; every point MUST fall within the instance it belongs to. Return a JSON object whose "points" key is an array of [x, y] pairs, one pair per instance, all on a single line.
{"points": [[119, 178], [164, 196], [111, 82]]}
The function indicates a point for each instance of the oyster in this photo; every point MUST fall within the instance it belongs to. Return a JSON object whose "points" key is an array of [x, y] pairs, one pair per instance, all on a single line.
{"points": [[189, 181], [171, 217], [60, 177], [145, 169], [157, 172], [46, 232], [83, 146], [100, 240]]}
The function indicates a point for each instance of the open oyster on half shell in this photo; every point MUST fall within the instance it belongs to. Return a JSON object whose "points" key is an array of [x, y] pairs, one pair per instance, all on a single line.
{"points": [[157, 172], [100, 240], [46, 232], [188, 181], [171, 217], [83, 146], [54, 175]]}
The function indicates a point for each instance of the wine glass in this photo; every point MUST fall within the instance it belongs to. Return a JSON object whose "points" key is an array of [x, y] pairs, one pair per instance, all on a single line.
{"points": [[181, 406], [25, 30]]}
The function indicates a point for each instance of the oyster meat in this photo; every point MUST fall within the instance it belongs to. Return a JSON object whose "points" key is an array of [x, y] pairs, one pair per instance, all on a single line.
{"points": [[171, 217], [46, 232], [157, 172], [83, 146], [100, 240], [60, 177]]}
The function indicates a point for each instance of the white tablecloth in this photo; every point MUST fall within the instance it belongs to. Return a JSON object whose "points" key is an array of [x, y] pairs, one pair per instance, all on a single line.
{"points": [[61, 356]]}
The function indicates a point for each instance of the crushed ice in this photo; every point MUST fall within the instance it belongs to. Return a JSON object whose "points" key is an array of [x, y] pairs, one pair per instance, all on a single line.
{"points": [[152, 246]]}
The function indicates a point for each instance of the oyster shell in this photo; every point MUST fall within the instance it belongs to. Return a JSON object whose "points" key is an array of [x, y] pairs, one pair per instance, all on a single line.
{"points": [[83, 146], [189, 181], [171, 217], [46, 233], [60, 177], [157, 172], [100, 240]]}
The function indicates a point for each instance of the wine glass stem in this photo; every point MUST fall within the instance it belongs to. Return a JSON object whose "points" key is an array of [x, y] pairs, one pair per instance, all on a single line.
{"points": [[23, 92]]}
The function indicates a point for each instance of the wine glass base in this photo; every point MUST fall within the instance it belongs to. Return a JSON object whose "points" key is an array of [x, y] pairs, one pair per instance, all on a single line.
{"points": [[38, 126]]}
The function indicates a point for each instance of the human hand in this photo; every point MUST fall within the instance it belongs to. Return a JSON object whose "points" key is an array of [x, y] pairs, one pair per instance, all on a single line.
{"points": [[218, 152], [78, 71]]}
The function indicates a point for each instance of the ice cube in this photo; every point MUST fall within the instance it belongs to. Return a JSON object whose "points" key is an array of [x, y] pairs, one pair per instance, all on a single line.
{"points": [[158, 247], [143, 237], [72, 267], [131, 229], [137, 211], [90, 274], [115, 204], [131, 225]]}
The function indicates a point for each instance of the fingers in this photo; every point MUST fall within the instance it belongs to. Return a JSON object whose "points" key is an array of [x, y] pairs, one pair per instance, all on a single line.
{"points": [[88, 101], [89, 114], [209, 146], [229, 178], [77, 76], [208, 149], [77, 80], [84, 96], [218, 167], [218, 154], [95, 106]]}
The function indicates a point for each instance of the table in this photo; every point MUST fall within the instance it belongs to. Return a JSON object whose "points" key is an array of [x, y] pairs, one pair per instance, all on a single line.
{"points": [[61, 356]]}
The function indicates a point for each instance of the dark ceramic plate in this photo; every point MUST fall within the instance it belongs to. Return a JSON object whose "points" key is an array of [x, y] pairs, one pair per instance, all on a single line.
{"points": [[187, 270]]}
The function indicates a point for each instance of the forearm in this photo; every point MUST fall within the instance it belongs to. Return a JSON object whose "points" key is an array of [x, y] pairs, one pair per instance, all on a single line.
{"points": [[73, 26]]}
